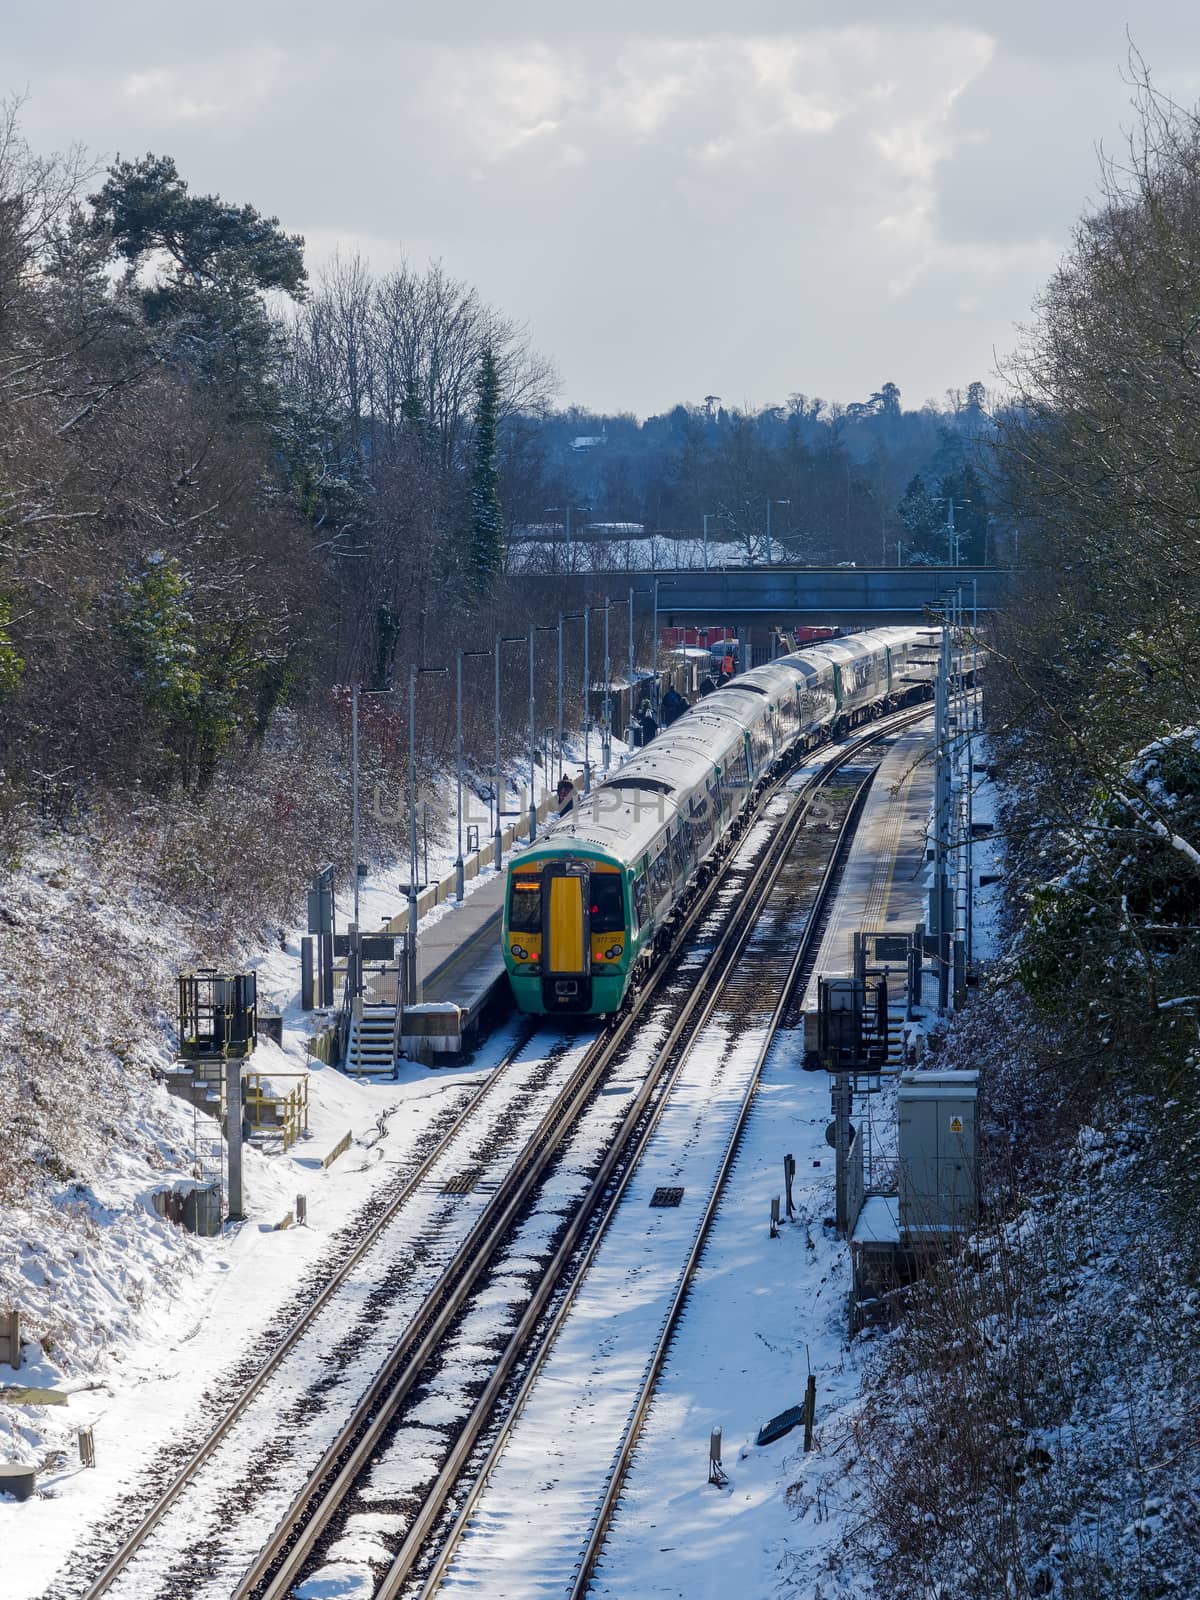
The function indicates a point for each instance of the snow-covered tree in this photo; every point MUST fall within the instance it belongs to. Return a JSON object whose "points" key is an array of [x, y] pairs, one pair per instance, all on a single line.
{"points": [[486, 556]]}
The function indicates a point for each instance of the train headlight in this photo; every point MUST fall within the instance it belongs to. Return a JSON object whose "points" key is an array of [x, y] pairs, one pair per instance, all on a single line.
{"points": [[519, 952], [613, 953]]}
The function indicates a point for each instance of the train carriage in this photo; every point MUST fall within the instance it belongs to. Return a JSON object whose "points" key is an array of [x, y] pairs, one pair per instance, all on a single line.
{"points": [[587, 901]]}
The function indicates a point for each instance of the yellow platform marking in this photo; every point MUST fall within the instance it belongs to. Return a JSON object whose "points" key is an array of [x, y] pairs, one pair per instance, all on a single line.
{"points": [[880, 892]]}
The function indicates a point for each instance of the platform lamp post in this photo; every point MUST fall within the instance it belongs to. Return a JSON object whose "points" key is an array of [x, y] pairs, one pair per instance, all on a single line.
{"points": [[355, 695], [770, 503], [558, 759], [606, 725], [633, 593], [563, 618], [414, 672], [354, 766], [498, 836], [587, 700], [953, 537], [459, 869], [609, 602], [659, 583], [566, 512], [534, 629]]}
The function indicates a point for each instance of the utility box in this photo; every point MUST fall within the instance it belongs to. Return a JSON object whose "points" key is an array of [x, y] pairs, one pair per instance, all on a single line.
{"points": [[938, 1153]]}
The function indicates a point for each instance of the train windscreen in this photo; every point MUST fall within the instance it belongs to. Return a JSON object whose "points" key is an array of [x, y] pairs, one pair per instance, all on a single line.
{"points": [[525, 905], [608, 912]]}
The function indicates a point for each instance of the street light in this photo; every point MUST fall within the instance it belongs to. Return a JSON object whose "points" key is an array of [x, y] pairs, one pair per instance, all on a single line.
{"points": [[459, 871], [587, 700], [414, 672], [559, 756], [770, 503], [953, 537], [354, 765], [633, 593], [355, 692], [535, 628], [497, 841], [665, 583], [609, 602]]}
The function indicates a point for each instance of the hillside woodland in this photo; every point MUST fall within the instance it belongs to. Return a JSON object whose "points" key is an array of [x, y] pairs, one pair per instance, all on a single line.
{"points": [[228, 491], [1033, 1428]]}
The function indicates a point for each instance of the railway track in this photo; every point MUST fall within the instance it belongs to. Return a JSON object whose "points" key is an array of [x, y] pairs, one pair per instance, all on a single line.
{"points": [[573, 1455], [374, 1222], [410, 1305], [789, 875]]}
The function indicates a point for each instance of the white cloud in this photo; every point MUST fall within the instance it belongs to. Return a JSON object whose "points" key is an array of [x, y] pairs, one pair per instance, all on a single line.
{"points": [[161, 91], [499, 100], [236, 86], [678, 203]]}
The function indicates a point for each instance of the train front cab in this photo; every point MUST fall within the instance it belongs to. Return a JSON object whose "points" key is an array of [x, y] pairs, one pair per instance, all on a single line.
{"points": [[566, 936]]}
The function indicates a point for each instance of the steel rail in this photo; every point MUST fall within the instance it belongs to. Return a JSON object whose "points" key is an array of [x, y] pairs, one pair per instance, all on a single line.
{"points": [[277, 1567], [698, 1011], [121, 1558], [806, 950], [281, 1562], [605, 1044], [624, 1151]]}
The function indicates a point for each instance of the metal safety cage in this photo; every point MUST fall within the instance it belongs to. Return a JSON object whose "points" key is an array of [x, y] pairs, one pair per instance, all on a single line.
{"points": [[218, 1013]]}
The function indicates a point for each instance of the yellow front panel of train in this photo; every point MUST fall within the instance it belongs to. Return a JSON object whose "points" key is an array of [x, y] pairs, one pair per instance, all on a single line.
{"points": [[566, 926]]}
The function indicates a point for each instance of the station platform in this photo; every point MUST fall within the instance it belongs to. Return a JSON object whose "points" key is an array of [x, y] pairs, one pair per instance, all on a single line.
{"points": [[458, 957], [883, 886]]}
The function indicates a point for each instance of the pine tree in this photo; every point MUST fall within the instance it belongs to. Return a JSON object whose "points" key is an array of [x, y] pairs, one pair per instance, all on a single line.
{"points": [[412, 407], [213, 262], [921, 516], [487, 525]]}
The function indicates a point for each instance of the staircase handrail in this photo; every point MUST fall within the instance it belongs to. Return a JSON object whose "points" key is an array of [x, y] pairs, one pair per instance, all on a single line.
{"points": [[344, 1016]]}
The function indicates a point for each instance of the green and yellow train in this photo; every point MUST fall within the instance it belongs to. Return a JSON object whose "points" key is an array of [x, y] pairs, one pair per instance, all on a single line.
{"points": [[588, 901]]}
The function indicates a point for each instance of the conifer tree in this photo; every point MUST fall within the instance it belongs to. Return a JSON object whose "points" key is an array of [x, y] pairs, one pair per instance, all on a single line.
{"points": [[921, 516], [486, 553], [412, 407]]}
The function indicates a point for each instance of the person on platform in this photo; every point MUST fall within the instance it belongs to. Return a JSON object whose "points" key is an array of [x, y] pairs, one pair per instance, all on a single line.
{"points": [[673, 706], [708, 685], [566, 795], [647, 721]]}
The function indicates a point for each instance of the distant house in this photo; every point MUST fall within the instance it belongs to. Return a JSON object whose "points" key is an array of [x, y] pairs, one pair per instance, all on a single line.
{"points": [[589, 441], [613, 530]]}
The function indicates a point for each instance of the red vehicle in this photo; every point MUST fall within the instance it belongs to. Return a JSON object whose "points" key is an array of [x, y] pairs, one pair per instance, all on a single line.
{"points": [[695, 638]]}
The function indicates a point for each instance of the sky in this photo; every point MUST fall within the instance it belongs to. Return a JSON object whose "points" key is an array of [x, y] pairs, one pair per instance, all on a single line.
{"points": [[679, 198]]}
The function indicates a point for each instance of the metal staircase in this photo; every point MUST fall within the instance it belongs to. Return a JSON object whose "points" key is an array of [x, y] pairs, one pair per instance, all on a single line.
{"points": [[897, 1015], [371, 1047]]}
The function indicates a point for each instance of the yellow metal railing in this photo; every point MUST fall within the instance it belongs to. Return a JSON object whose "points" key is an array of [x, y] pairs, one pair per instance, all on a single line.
{"points": [[285, 1114]]}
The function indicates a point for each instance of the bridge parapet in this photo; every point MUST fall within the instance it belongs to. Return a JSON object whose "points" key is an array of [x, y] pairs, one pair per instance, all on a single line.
{"points": [[744, 596]]}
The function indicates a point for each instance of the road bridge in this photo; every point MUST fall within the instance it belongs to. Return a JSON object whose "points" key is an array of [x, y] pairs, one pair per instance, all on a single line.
{"points": [[746, 597]]}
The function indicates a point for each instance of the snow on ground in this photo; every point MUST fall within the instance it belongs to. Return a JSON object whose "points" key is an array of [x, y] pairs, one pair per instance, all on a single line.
{"points": [[149, 1316], [655, 554], [125, 1310], [762, 1313], [200, 1305]]}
